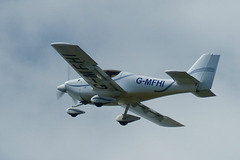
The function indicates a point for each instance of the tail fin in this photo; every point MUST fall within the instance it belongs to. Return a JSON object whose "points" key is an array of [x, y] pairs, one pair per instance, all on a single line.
{"points": [[204, 70]]}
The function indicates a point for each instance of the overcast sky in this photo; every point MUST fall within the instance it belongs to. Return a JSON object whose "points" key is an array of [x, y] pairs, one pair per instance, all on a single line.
{"points": [[145, 37]]}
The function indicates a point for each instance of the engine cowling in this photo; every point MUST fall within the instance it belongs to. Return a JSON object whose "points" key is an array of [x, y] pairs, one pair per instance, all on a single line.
{"points": [[101, 100]]}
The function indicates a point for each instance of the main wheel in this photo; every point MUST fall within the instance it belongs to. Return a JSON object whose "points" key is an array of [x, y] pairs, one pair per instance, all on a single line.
{"points": [[123, 123], [99, 104], [74, 115]]}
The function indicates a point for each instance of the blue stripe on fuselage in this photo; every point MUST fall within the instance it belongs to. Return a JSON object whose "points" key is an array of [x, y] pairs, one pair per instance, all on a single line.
{"points": [[86, 85], [165, 88]]}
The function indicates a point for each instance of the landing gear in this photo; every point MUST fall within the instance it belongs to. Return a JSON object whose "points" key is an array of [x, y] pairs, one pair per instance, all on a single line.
{"points": [[125, 118], [73, 115], [98, 104], [123, 123], [74, 106], [73, 111]]}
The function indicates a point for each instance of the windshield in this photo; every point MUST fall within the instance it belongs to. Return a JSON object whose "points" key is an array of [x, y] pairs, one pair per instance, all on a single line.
{"points": [[112, 73]]}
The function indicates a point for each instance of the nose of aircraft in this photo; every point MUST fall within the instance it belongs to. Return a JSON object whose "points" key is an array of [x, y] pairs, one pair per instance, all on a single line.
{"points": [[62, 88]]}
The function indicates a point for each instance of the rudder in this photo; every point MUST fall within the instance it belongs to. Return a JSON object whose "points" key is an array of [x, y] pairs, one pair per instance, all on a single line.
{"points": [[204, 70]]}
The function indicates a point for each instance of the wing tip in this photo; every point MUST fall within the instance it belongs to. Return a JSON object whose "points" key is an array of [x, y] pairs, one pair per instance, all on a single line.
{"points": [[169, 122], [61, 44], [175, 125]]}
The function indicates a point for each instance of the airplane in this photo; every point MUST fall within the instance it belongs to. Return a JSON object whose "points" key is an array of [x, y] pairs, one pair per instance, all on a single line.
{"points": [[128, 90]]}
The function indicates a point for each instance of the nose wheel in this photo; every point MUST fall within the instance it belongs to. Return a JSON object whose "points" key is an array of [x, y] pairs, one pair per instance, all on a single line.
{"points": [[74, 111]]}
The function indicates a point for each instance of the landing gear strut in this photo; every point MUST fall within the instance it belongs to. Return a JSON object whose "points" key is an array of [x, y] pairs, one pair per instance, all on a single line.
{"points": [[125, 118]]}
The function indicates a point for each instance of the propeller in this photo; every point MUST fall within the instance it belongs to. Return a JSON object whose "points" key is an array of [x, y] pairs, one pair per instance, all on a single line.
{"points": [[60, 94], [68, 73], [75, 101], [61, 90]]}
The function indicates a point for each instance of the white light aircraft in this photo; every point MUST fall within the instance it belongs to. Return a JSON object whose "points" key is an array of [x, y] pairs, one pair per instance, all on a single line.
{"points": [[113, 87]]}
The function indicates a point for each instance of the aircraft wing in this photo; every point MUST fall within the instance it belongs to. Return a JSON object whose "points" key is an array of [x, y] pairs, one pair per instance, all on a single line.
{"points": [[87, 68], [153, 116]]}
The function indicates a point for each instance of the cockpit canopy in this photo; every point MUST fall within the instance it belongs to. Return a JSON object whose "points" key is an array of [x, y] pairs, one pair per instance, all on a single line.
{"points": [[112, 73]]}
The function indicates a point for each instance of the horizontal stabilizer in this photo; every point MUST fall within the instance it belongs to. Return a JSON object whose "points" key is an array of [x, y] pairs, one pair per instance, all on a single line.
{"points": [[182, 77], [204, 93]]}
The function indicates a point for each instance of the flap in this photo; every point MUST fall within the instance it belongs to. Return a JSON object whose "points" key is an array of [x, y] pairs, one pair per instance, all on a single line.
{"points": [[153, 116]]}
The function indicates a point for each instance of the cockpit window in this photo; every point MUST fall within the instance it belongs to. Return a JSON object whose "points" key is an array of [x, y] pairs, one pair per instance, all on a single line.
{"points": [[112, 73]]}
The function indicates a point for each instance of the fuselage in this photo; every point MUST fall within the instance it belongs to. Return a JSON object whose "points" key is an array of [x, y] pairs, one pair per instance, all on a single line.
{"points": [[137, 87]]}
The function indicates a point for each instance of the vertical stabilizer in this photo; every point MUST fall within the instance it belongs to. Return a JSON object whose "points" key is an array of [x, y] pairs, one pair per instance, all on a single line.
{"points": [[204, 70]]}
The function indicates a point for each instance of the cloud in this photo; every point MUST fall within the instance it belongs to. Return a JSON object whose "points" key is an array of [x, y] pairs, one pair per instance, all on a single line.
{"points": [[137, 36]]}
